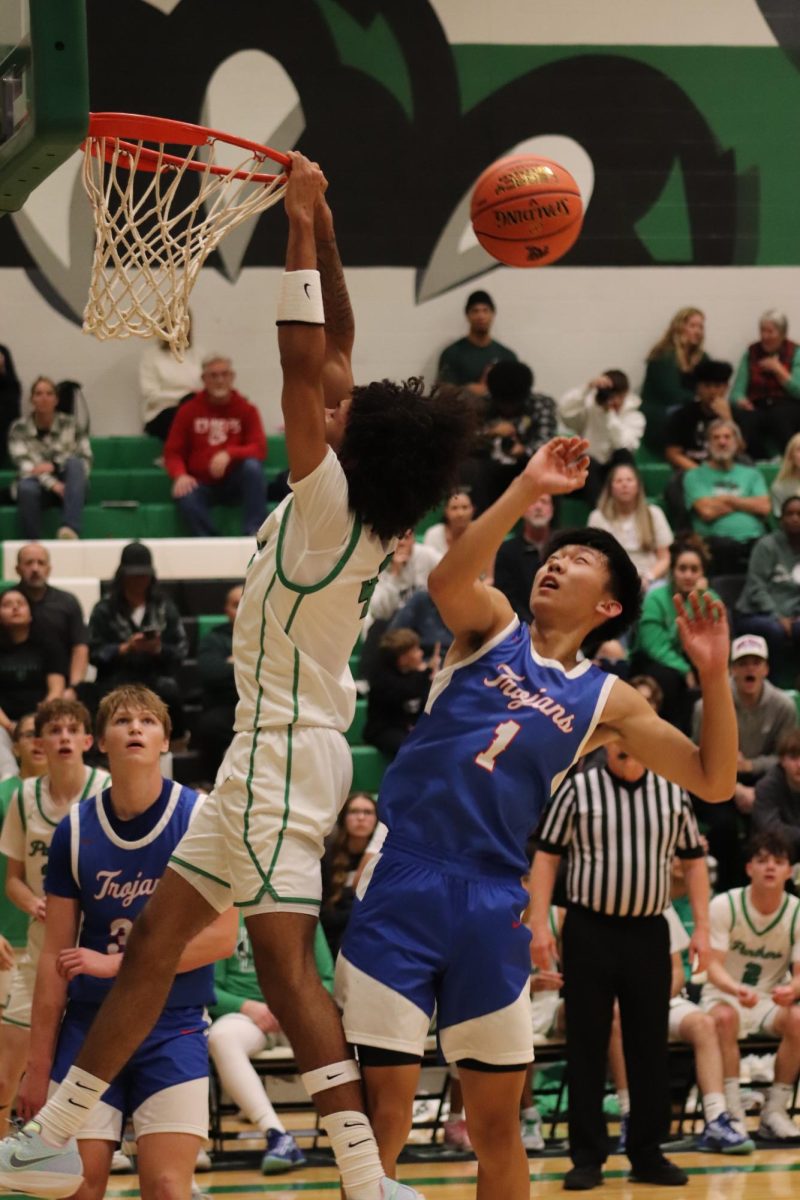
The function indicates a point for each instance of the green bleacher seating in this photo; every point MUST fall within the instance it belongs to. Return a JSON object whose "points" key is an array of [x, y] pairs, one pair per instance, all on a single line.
{"points": [[206, 623], [572, 513], [368, 767], [124, 470], [125, 453], [795, 696], [655, 477], [355, 734], [645, 455]]}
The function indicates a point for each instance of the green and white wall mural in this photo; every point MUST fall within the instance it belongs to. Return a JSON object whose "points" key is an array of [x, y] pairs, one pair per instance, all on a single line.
{"points": [[679, 118]]}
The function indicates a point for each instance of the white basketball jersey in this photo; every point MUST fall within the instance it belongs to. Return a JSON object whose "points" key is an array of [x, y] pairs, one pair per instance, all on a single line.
{"points": [[306, 593], [759, 949], [29, 827]]}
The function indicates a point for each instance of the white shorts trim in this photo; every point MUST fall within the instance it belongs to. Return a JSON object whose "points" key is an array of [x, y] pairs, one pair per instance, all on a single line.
{"points": [[679, 1009], [7, 977], [20, 997], [752, 1021], [258, 840], [546, 1008], [182, 1108], [369, 1008], [500, 1038]]}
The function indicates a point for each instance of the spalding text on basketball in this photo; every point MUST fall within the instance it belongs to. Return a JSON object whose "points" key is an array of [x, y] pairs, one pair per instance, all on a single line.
{"points": [[536, 213]]}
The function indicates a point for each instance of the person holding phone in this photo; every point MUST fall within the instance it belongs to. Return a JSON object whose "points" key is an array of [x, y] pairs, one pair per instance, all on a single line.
{"points": [[607, 413], [136, 634]]}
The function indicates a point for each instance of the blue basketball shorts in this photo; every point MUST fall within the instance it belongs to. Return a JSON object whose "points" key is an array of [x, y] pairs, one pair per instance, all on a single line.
{"points": [[163, 1088], [425, 938]]}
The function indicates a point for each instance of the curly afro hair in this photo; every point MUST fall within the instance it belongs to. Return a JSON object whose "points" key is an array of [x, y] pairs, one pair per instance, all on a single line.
{"points": [[402, 449]]}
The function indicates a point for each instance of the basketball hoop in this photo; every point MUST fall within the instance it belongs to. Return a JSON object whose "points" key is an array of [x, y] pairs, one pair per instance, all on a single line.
{"points": [[153, 232]]}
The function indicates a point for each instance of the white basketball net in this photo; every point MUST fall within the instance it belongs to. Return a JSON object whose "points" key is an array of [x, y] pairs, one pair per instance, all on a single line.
{"points": [[150, 242]]}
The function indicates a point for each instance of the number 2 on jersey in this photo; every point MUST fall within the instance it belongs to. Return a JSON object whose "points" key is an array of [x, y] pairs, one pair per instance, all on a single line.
{"points": [[504, 735]]}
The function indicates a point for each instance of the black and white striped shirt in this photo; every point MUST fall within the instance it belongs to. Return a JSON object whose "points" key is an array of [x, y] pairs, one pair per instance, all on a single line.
{"points": [[620, 839]]}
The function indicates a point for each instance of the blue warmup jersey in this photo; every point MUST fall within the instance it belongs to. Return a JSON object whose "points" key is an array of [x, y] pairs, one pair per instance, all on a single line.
{"points": [[499, 732], [112, 868]]}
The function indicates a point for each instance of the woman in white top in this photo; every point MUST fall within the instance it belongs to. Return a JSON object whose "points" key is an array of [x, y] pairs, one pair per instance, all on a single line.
{"points": [[164, 383], [787, 481], [641, 528], [459, 511]]}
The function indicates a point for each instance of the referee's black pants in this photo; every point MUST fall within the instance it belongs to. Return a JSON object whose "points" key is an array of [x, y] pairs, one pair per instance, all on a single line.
{"points": [[625, 959]]}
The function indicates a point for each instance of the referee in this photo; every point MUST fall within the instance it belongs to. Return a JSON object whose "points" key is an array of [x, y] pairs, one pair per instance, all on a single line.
{"points": [[620, 827]]}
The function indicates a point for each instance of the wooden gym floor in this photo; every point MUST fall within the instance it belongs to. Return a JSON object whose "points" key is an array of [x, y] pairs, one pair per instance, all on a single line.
{"points": [[765, 1175]]}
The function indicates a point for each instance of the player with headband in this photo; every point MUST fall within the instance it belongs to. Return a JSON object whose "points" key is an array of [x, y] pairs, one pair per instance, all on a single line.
{"points": [[365, 464]]}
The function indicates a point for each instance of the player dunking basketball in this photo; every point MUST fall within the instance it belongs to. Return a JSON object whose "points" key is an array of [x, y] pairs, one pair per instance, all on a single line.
{"points": [[360, 476], [439, 919]]}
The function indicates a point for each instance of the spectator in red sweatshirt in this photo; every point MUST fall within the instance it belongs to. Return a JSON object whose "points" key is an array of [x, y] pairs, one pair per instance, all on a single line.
{"points": [[215, 450]]}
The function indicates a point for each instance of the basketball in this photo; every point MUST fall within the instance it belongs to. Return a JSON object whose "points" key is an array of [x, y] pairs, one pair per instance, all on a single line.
{"points": [[526, 211]]}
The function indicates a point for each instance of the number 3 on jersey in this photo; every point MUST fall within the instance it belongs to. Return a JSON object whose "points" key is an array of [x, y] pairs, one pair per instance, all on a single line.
{"points": [[504, 735]]}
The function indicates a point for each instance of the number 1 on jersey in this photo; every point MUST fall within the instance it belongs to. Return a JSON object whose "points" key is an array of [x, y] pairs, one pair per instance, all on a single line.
{"points": [[504, 735]]}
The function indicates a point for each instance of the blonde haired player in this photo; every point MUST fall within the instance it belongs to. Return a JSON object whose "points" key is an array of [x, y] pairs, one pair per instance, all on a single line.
{"points": [[360, 475], [754, 978], [64, 728]]}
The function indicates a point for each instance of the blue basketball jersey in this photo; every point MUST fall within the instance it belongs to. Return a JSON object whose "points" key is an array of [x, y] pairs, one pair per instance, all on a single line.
{"points": [[499, 732], [113, 878]]}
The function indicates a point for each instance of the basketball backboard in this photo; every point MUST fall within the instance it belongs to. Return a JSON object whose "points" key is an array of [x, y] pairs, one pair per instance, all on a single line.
{"points": [[44, 92]]}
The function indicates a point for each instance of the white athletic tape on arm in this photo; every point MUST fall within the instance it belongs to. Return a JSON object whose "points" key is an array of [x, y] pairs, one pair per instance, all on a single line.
{"points": [[300, 299], [330, 1077]]}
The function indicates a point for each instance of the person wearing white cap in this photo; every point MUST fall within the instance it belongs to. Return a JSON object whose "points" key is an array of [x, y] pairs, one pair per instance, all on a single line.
{"points": [[763, 715]]}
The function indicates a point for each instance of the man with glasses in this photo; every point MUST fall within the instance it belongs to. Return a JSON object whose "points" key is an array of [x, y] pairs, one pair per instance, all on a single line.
{"points": [[215, 452]]}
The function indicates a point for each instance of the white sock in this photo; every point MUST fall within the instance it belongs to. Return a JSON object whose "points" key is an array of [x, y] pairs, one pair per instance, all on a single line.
{"points": [[733, 1098], [713, 1106], [273, 1122], [624, 1098], [69, 1106], [779, 1097], [531, 1114], [356, 1153]]}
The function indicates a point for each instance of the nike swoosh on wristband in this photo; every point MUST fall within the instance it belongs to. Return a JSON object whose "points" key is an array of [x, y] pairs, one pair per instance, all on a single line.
{"points": [[87, 1087], [85, 1107], [22, 1163], [352, 1145], [335, 1075], [355, 1124], [307, 290]]}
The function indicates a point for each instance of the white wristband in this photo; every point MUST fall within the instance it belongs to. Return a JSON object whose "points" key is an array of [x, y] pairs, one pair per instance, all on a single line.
{"points": [[300, 299]]}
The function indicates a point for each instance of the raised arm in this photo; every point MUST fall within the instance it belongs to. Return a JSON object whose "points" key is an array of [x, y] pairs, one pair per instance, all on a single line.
{"points": [[301, 329], [707, 770], [473, 611], [340, 326]]}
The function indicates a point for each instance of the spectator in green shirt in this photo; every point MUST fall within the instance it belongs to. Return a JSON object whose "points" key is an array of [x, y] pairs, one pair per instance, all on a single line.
{"points": [[668, 378], [657, 649], [243, 1027], [468, 361], [13, 922], [728, 501]]}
